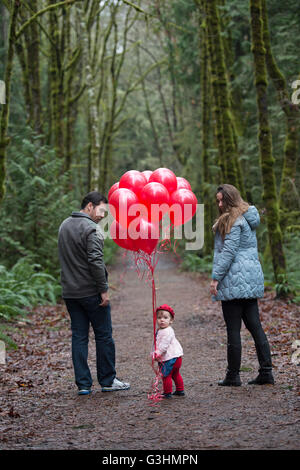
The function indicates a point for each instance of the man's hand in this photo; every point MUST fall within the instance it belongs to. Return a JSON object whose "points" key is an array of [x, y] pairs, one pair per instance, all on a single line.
{"points": [[105, 299], [213, 287]]}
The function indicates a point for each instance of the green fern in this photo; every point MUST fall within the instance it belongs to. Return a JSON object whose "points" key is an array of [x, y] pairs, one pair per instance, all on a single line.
{"points": [[193, 262], [9, 343], [23, 287]]}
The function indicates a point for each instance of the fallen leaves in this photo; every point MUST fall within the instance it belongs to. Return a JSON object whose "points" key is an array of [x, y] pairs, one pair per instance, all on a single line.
{"points": [[12, 413], [39, 407], [281, 322], [24, 383]]}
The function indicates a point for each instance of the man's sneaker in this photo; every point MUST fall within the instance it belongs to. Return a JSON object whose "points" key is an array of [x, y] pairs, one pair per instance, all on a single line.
{"points": [[84, 391], [116, 385]]}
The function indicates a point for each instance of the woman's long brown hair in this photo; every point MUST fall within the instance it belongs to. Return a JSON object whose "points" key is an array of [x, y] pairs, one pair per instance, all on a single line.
{"points": [[232, 207]]}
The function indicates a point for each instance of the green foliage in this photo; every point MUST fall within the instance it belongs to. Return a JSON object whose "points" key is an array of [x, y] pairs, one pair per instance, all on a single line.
{"points": [[38, 198], [9, 342], [195, 263], [110, 250], [289, 286], [292, 246], [282, 287], [25, 286]]}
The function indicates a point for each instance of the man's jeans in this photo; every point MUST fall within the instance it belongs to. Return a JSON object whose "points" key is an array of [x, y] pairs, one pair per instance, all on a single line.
{"points": [[84, 311]]}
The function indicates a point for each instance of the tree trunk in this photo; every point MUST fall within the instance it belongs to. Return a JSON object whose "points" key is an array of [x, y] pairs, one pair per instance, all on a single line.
{"points": [[265, 144], [220, 86], [86, 22], [4, 139], [34, 71], [21, 47], [205, 128], [73, 89], [288, 200], [56, 85], [234, 98]]}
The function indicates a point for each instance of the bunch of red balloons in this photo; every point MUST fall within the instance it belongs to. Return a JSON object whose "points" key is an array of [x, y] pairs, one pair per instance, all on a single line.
{"points": [[141, 199]]}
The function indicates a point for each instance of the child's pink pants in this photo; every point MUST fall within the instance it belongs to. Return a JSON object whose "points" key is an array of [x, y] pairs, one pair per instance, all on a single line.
{"points": [[176, 376]]}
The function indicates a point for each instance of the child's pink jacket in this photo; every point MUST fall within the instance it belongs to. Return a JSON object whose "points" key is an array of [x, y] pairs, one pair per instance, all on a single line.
{"points": [[167, 346]]}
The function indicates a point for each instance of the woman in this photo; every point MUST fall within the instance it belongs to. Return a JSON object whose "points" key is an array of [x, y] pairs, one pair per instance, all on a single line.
{"points": [[237, 280]]}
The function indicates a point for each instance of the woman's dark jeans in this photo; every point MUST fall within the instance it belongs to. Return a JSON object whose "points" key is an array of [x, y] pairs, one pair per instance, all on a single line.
{"points": [[83, 312], [234, 311]]}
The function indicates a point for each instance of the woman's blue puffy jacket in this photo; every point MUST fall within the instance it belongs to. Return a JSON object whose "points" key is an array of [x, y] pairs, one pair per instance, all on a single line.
{"points": [[236, 265]]}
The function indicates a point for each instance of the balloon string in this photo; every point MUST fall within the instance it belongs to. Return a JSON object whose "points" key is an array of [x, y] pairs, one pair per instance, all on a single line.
{"points": [[156, 395], [154, 308], [150, 261]]}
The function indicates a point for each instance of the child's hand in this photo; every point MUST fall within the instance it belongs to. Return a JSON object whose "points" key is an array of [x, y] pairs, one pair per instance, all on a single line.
{"points": [[154, 364], [154, 356]]}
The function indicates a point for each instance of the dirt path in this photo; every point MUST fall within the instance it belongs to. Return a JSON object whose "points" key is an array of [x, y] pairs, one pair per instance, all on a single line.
{"points": [[39, 407]]}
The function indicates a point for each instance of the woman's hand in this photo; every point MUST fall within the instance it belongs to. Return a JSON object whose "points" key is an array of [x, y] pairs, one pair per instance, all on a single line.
{"points": [[213, 287]]}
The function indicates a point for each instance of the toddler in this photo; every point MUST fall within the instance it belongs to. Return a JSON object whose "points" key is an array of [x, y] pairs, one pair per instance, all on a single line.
{"points": [[168, 352]]}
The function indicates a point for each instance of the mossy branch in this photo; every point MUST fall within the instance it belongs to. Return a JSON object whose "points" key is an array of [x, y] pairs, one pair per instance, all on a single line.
{"points": [[137, 8], [147, 14], [137, 82], [41, 12]]}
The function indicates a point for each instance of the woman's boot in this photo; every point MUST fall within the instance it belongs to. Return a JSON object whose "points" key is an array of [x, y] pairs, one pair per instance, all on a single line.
{"points": [[234, 362], [265, 375], [232, 379]]}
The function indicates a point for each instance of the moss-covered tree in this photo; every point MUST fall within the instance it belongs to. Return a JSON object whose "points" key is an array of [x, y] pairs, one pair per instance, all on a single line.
{"points": [[206, 115], [4, 138], [27, 48], [265, 144], [220, 86], [287, 198]]}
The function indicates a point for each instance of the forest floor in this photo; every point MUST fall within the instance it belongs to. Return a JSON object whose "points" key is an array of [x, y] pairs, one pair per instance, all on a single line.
{"points": [[40, 408]]}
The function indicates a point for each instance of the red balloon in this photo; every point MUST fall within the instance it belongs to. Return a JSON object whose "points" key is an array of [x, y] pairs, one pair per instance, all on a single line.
{"points": [[134, 180], [165, 177], [183, 205], [147, 174], [148, 236], [112, 189], [154, 195], [183, 183], [120, 236], [121, 200]]}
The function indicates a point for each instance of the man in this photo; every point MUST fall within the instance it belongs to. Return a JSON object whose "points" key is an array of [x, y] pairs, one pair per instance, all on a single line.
{"points": [[85, 291]]}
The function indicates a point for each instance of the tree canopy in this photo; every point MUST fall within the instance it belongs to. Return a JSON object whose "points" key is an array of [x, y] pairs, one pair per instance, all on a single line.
{"points": [[205, 88]]}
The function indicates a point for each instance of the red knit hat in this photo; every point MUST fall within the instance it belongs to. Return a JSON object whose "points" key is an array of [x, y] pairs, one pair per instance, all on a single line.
{"points": [[167, 308]]}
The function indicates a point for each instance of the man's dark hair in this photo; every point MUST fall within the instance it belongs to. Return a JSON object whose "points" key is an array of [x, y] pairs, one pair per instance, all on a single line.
{"points": [[94, 197]]}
